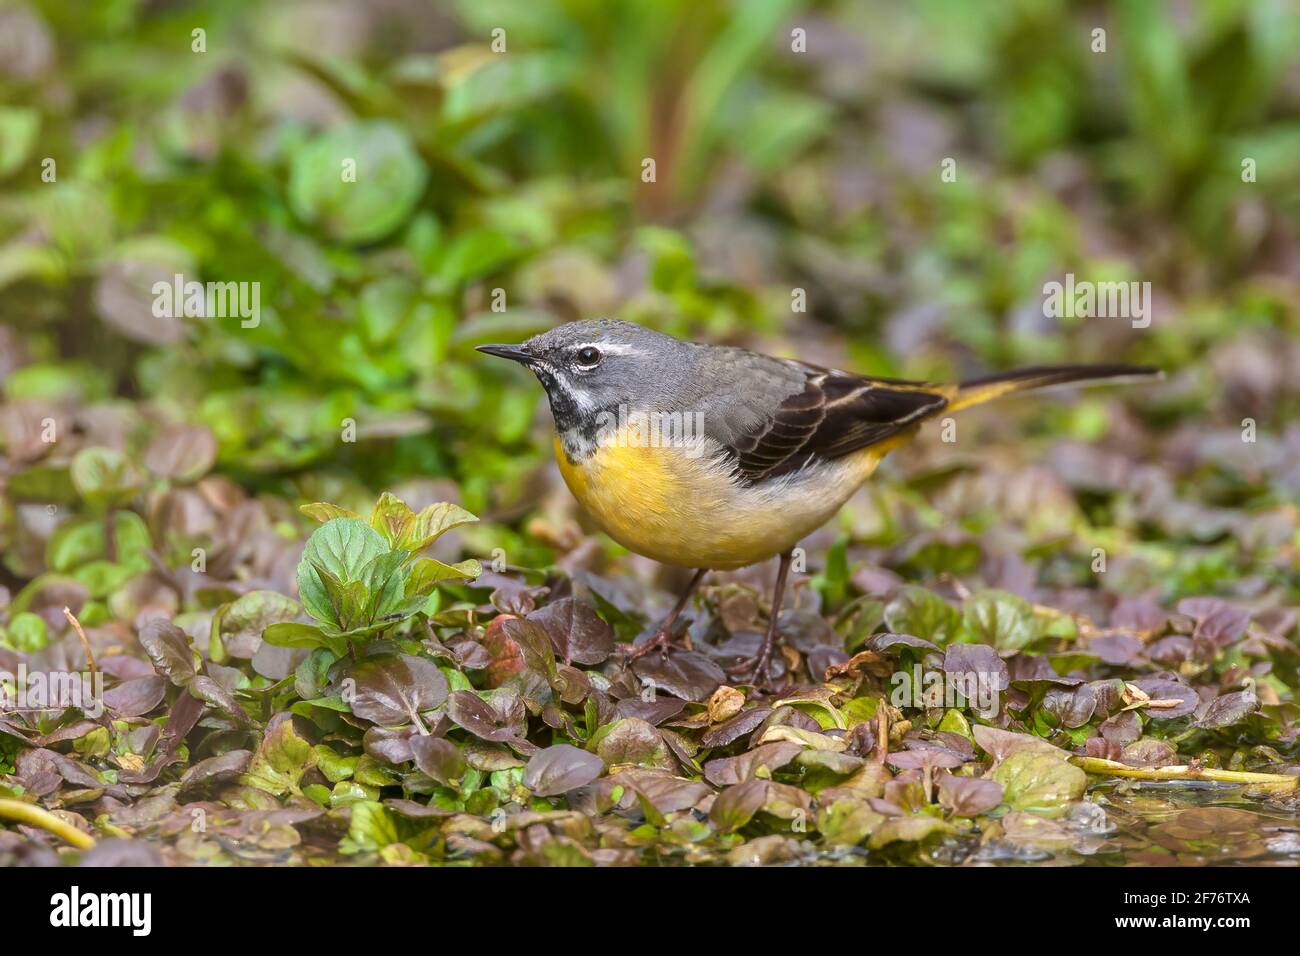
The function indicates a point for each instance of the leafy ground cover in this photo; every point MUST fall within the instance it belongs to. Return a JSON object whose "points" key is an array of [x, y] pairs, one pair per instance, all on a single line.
{"points": [[298, 668], [409, 710]]}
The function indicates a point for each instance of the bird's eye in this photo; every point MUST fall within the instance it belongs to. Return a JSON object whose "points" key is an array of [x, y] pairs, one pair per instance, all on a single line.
{"points": [[588, 356]]}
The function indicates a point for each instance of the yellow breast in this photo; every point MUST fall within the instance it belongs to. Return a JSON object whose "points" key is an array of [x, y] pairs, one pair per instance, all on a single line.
{"points": [[687, 510]]}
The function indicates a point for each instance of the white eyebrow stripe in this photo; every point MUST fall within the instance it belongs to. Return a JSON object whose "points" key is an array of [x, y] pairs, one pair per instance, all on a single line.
{"points": [[610, 348]]}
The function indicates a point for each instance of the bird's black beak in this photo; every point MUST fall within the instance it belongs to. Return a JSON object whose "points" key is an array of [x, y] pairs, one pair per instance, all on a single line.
{"points": [[515, 353]]}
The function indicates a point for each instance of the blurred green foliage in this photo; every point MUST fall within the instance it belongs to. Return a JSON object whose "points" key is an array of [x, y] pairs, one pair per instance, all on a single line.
{"points": [[499, 146], [401, 180]]}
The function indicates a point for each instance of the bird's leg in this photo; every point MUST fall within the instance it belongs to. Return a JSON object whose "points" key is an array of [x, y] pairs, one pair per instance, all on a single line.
{"points": [[663, 636], [769, 640]]}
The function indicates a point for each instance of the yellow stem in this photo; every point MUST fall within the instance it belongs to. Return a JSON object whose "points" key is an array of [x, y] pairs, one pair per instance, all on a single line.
{"points": [[1099, 765], [36, 816]]}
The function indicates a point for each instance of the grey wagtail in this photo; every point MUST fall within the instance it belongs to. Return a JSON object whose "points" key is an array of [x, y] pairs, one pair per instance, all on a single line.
{"points": [[714, 458]]}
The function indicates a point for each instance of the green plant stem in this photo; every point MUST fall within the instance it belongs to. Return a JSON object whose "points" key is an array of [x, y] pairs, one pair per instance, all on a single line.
{"points": [[36, 816], [1099, 765]]}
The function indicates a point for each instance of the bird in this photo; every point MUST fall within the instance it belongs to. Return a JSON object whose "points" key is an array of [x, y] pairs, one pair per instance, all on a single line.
{"points": [[712, 458]]}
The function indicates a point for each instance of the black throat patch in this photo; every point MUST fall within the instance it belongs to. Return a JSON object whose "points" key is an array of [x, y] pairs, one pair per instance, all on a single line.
{"points": [[577, 429]]}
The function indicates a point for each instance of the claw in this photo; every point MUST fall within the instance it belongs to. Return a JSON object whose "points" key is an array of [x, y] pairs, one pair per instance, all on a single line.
{"points": [[663, 638], [756, 670], [660, 642]]}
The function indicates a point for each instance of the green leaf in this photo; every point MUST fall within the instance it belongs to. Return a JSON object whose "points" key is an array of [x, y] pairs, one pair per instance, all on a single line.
{"points": [[249, 615], [1001, 619], [343, 546], [911, 829], [477, 253], [392, 518], [78, 542], [848, 822], [18, 129], [833, 582], [347, 599], [506, 83], [103, 477], [27, 633], [291, 634], [334, 557], [720, 70], [432, 522], [736, 805], [280, 761], [323, 511], [1040, 782], [404, 529], [336, 704], [921, 613], [334, 766], [358, 181], [312, 676], [955, 722], [860, 710], [427, 572], [385, 580], [372, 827]]}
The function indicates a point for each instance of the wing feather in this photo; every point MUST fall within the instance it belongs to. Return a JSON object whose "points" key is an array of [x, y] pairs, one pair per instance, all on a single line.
{"points": [[834, 414]]}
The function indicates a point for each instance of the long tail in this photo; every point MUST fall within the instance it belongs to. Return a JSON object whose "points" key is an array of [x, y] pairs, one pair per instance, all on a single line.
{"points": [[981, 390]]}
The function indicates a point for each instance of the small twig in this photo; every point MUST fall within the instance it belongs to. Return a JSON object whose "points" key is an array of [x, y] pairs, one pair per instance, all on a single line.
{"points": [[36, 816], [1100, 765], [419, 724], [81, 633], [1045, 610], [958, 587], [882, 733]]}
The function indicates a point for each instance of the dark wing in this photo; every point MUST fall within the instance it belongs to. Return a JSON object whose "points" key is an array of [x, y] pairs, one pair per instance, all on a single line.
{"points": [[835, 413]]}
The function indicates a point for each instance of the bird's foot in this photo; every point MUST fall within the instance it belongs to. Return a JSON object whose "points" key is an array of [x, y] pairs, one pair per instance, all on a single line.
{"points": [[756, 670], [660, 642]]}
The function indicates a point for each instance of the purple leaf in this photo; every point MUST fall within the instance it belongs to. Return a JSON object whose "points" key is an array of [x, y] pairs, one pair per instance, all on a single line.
{"points": [[560, 769]]}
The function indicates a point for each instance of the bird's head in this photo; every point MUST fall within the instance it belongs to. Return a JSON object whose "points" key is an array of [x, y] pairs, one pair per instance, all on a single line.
{"points": [[597, 365]]}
